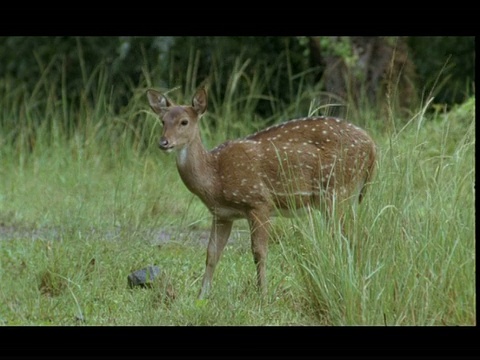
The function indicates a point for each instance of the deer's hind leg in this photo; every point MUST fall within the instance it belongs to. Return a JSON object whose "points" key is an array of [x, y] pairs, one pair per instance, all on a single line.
{"points": [[259, 221], [331, 204]]}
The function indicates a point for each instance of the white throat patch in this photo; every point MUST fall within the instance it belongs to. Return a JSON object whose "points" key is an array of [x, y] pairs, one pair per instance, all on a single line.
{"points": [[182, 156]]}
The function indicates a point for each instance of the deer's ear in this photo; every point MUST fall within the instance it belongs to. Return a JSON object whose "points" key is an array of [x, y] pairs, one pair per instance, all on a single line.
{"points": [[158, 102], [200, 100]]}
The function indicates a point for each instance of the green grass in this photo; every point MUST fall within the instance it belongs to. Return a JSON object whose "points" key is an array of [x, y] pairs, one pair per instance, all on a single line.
{"points": [[81, 207], [410, 257], [82, 280]]}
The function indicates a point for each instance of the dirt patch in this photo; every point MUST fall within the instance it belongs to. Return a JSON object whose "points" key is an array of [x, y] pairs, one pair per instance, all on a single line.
{"points": [[10, 232], [155, 236]]}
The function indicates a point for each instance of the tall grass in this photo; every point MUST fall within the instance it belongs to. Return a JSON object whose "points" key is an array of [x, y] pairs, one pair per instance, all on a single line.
{"points": [[86, 197], [410, 257]]}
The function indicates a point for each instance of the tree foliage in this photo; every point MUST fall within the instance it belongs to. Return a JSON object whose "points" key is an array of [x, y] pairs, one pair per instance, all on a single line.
{"points": [[343, 66], [446, 62]]}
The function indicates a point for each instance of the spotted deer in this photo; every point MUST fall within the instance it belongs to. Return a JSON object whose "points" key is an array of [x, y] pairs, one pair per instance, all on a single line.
{"points": [[309, 162]]}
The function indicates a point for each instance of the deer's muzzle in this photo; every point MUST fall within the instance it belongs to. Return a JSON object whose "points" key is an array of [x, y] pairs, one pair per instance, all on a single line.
{"points": [[164, 144]]}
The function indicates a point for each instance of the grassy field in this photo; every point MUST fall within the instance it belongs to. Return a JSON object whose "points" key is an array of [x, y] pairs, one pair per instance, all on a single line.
{"points": [[82, 207]]}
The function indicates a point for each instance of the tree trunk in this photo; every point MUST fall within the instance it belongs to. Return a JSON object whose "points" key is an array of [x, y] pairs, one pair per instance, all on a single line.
{"points": [[366, 70]]}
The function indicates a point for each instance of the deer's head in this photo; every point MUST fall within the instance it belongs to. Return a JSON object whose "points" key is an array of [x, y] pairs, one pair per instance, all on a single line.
{"points": [[180, 123]]}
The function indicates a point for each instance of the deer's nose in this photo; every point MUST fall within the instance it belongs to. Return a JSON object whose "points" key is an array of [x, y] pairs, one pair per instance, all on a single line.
{"points": [[163, 144]]}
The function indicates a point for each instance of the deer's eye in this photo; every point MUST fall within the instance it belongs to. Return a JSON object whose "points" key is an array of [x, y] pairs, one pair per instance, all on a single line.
{"points": [[184, 122]]}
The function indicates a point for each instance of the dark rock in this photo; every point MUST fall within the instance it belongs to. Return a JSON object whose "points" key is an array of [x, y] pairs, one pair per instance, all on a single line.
{"points": [[143, 277]]}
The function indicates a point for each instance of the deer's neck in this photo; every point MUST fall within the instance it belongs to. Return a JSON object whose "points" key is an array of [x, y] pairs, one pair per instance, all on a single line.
{"points": [[196, 168]]}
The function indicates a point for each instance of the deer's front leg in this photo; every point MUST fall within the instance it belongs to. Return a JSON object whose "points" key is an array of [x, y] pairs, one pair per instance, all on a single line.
{"points": [[259, 224], [219, 234]]}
